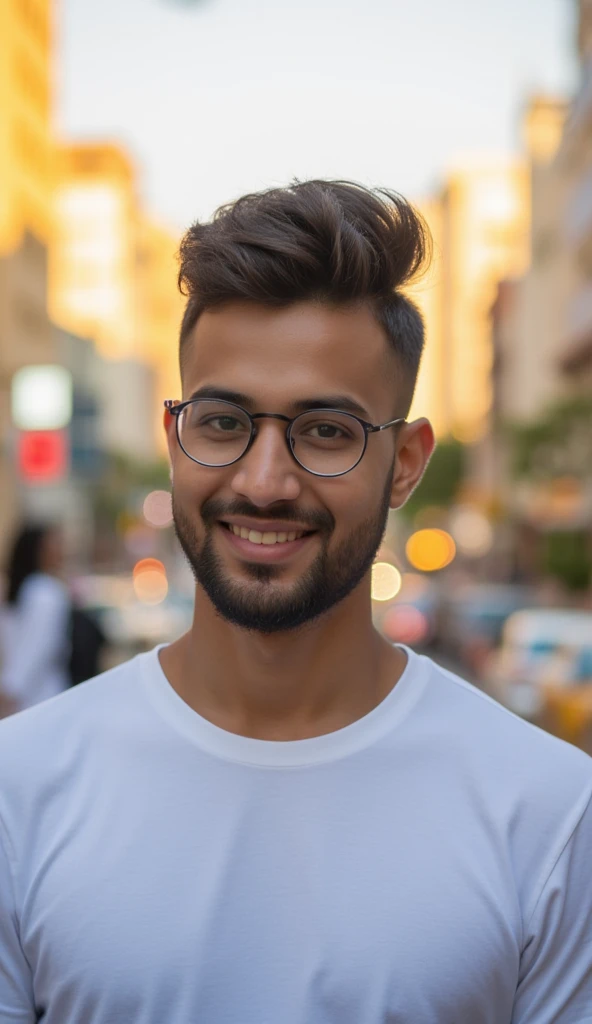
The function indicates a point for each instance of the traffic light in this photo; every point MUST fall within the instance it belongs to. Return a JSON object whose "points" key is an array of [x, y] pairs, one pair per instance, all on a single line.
{"points": [[42, 455]]}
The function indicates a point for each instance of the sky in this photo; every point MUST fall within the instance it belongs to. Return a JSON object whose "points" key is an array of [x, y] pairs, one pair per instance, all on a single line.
{"points": [[221, 97]]}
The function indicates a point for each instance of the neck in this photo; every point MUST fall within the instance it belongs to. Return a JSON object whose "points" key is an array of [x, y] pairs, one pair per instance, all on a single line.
{"points": [[289, 685]]}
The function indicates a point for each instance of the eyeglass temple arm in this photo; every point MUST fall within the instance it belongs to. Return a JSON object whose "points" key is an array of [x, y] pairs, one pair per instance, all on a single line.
{"points": [[383, 426]]}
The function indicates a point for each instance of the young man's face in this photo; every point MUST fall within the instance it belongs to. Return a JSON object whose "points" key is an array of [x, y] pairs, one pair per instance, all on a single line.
{"points": [[278, 360]]}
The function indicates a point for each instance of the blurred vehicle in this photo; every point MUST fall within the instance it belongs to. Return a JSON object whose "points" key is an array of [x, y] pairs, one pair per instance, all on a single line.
{"points": [[544, 668], [473, 619]]}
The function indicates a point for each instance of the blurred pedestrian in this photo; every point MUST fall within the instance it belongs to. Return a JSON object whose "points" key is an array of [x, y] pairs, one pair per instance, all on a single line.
{"points": [[35, 620], [280, 816]]}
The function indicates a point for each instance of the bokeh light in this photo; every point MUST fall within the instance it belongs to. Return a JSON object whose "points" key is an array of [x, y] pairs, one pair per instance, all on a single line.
{"points": [[405, 624], [148, 565], [150, 581], [158, 509], [430, 550], [472, 531], [386, 581]]}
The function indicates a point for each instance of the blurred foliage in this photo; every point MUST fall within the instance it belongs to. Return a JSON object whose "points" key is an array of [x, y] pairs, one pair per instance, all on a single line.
{"points": [[121, 481], [567, 557], [442, 478], [558, 444]]}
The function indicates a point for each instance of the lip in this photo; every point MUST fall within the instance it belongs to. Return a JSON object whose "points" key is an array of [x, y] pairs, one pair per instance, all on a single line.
{"points": [[267, 525], [264, 552]]}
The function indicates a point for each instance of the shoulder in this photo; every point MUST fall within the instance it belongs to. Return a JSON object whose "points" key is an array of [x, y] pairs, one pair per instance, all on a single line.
{"points": [[40, 588], [503, 750], [62, 729]]}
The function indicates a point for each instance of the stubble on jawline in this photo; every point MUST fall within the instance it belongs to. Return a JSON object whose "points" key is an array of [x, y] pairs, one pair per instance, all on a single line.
{"points": [[326, 582]]}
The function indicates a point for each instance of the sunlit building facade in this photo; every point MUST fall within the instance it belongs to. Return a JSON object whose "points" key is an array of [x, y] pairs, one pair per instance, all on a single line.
{"points": [[113, 278], [480, 226], [432, 397], [25, 129], [575, 165], [529, 314], [25, 211], [160, 308], [93, 281], [485, 239]]}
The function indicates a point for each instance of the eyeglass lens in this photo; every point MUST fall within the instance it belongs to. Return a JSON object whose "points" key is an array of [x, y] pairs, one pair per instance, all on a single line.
{"points": [[217, 434]]}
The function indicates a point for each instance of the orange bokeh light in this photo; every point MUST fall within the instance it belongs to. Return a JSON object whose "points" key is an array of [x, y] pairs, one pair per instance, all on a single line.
{"points": [[149, 565], [430, 550]]}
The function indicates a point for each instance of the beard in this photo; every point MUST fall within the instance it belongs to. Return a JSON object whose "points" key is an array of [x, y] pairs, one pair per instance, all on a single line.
{"points": [[259, 604]]}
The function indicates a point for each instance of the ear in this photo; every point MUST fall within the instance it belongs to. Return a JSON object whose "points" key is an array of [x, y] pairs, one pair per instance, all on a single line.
{"points": [[170, 429], [415, 445]]}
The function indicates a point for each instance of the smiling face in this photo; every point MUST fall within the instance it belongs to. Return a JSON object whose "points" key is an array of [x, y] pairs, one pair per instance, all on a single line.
{"points": [[273, 545]]}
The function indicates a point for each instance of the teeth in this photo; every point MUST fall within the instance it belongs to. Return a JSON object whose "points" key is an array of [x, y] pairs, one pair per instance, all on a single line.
{"points": [[264, 538]]}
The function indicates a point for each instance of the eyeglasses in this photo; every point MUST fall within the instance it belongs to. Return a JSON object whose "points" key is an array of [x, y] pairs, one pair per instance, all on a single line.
{"points": [[325, 442]]}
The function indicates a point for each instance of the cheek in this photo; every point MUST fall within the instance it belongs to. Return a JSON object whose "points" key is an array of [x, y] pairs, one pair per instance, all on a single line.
{"points": [[349, 504], [192, 485]]}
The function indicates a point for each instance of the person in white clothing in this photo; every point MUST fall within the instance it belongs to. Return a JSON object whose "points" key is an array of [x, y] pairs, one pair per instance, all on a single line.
{"points": [[280, 818], [34, 620]]}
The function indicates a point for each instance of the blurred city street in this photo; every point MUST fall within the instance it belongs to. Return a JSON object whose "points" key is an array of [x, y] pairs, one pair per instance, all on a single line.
{"points": [[488, 567]]}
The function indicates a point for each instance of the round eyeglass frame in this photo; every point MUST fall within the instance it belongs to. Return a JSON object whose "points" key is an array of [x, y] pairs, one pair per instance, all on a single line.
{"points": [[176, 408]]}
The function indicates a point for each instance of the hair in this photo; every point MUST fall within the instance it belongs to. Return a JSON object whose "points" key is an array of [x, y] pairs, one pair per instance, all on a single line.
{"points": [[24, 558], [331, 241]]}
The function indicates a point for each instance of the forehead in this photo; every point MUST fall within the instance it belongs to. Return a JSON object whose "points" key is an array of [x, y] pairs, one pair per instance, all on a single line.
{"points": [[294, 352]]}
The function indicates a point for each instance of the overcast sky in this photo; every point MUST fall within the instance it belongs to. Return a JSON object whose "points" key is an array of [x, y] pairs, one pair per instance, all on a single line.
{"points": [[226, 96]]}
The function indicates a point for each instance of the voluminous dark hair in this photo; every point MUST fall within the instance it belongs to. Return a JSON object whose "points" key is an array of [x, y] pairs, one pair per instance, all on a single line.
{"points": [[332, 241], [24, 558]]}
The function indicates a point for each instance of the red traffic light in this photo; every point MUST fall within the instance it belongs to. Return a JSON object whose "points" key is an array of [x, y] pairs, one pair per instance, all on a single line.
{"points": [[42, 455]]}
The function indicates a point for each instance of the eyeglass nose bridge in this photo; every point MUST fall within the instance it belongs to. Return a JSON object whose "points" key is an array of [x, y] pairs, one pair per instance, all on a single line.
{"points": [[270, 416]]}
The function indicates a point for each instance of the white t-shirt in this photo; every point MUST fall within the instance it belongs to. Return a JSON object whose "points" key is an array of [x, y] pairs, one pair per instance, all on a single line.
{"points": [[34, 641], [429, 863]]}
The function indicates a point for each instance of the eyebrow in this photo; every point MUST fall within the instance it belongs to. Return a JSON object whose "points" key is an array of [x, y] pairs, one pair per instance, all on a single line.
{"points": [[342, 402]]}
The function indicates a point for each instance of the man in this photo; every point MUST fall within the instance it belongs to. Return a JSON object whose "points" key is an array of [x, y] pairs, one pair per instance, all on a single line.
{"points": [[280, 818]]}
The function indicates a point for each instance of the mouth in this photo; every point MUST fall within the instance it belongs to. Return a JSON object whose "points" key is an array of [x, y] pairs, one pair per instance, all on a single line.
{"points": [[265, 544]]}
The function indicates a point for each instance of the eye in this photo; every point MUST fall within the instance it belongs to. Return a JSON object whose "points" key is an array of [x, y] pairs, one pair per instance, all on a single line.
{"points": [[225, 424], [326, 431]]}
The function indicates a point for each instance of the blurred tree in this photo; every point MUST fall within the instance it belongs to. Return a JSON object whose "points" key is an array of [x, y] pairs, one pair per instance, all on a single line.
{"points": [[116, 492], [567, 556], [559, 444], [442, 478]]}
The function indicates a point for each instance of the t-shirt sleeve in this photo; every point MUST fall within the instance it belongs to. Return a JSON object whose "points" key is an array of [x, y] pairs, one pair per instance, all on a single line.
{"points": [[555, 984], [16, 990]]}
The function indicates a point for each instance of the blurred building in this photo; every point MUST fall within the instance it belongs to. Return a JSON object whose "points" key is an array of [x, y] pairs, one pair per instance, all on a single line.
{"points": [[128, 395], [574, 165], [25, 210], [113, 279], [432, 394], [480, 222], [93, 283], [529, 312], [160, 308], [25, 130], [486, 239]]}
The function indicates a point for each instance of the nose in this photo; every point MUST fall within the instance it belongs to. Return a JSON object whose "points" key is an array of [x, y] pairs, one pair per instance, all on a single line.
{"points": [[267, 473]]}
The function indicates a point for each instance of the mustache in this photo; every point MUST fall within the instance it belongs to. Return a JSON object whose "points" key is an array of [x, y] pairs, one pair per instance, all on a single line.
{"points": [[213, 509]]}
